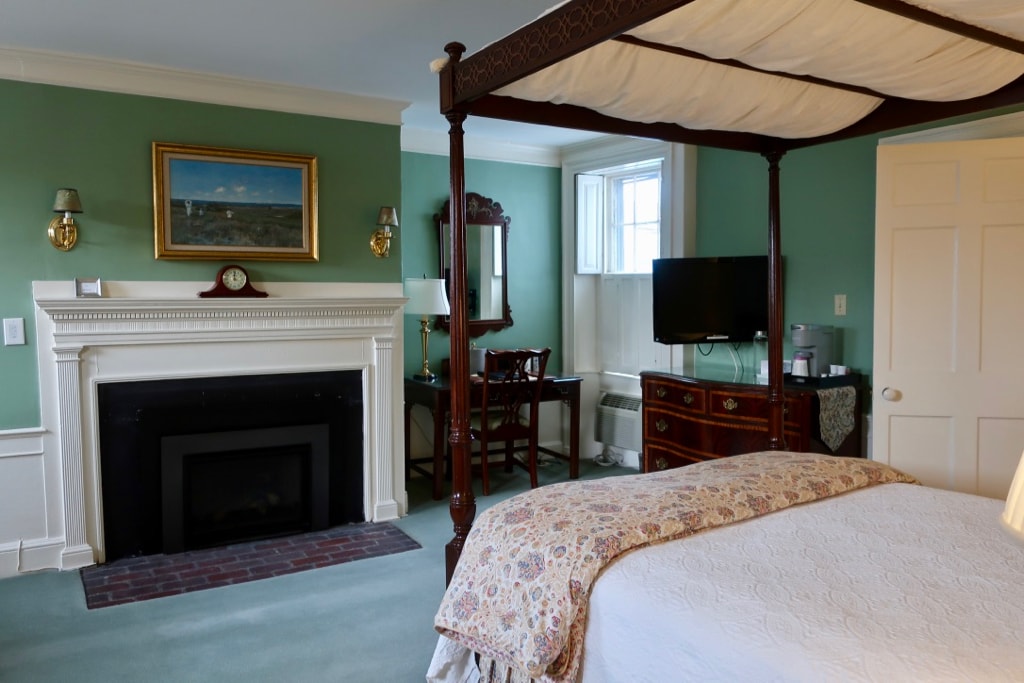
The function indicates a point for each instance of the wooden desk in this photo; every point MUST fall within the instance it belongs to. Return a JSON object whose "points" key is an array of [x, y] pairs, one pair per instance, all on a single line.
{"points": [[437, 396]]}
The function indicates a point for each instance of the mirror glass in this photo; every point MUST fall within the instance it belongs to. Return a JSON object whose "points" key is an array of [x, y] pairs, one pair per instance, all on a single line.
{"points": [[487, 231]]}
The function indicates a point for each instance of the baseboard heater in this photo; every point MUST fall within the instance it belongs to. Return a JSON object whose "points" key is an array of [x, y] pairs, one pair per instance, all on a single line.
{"points": [[618, 421]]}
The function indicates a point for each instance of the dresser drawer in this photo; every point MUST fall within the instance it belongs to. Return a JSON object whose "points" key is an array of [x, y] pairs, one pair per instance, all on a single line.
{"points": [[754, 407], [735, 404], [657, 458], [666, 425], [680, 397]]}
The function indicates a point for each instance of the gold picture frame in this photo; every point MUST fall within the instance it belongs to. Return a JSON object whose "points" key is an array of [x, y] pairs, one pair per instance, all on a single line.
{"points": [[233, 204]]}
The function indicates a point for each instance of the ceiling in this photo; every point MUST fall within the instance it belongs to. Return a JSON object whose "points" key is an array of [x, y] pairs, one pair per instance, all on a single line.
{"points": [[378, 48]]}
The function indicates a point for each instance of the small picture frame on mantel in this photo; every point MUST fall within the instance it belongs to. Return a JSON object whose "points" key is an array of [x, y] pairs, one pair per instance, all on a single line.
{"points": [[88, 287]]}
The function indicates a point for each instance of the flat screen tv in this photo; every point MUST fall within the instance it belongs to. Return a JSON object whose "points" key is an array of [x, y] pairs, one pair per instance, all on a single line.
{"points": [[709, 299]]}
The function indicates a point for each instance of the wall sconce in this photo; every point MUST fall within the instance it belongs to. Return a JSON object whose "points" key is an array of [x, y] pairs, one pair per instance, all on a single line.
{"points": [[426, 298], [380, 240], [62, 231]]}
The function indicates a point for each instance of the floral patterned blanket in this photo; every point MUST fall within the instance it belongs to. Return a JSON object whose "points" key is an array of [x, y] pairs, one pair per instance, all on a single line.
{"points": [[519, 594]]}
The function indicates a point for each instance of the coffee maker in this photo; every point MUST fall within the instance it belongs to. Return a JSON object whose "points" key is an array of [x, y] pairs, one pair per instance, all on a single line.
{"points": [[815, 343]]}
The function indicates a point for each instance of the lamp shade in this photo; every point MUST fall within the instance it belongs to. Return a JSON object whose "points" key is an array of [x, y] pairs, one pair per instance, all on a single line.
{"points": [[426, 297], [67, 201], [388, 216], [1013, 513]]}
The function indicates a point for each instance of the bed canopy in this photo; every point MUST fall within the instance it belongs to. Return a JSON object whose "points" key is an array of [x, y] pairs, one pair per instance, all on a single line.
{"points": [[748, 75]]}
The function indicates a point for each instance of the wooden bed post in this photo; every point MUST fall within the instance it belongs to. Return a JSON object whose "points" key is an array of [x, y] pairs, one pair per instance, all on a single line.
{"points": [[462, 505], [776, 397]]}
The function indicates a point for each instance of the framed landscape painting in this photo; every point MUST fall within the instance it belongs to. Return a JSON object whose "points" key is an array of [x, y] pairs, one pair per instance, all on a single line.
{"points": [[216, 203]]}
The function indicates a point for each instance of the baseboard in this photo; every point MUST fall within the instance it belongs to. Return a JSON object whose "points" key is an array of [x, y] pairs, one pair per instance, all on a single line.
{"points": [[29, 556]]}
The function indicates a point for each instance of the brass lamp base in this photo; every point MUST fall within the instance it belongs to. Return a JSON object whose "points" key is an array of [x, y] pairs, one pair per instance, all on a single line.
{"points": [[425, 374], [63, 232]]}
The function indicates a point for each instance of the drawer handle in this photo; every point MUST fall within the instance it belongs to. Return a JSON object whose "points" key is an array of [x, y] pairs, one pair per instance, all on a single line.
{"points": [[730, 404], [688, 398], [661, 425], [661, 463], [662, 392]]}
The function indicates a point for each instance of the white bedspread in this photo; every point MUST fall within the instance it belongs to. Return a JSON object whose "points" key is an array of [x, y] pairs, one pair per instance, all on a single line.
{"points": [[890, 583]]}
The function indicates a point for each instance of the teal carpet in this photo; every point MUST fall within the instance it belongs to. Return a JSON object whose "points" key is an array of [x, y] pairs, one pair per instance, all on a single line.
{"points": [[360, 622]]}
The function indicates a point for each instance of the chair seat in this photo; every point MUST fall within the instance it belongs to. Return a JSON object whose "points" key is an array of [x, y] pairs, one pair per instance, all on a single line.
{"points": [[494, 423]]}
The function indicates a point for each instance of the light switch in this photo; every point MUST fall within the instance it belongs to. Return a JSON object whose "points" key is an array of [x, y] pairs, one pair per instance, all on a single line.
{"points": [[14, 331]]}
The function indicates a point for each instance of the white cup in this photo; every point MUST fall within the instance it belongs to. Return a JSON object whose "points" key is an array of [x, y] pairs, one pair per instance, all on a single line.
{"points": [[800, 367], [838, 370]]}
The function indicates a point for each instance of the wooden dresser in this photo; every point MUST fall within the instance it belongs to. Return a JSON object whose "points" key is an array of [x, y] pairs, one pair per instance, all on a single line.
{"points": [[686, 420]]}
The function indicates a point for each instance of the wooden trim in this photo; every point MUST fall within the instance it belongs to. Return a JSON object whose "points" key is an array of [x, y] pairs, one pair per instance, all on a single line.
{"points": [[567, 30], [923, 16]]}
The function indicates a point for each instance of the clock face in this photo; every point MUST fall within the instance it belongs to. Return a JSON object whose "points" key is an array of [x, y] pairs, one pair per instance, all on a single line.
{"points": [[234, 278]]}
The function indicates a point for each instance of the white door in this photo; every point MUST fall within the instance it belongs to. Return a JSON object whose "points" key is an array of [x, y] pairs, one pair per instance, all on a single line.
{"points": [[948, 394]]}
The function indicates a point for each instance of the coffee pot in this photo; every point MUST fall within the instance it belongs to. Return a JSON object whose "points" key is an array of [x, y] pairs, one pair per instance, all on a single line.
{"points": [[812, 345]]}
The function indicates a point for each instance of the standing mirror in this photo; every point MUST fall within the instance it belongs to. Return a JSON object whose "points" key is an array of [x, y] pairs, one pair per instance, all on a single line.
{"points": [[487, 263]]}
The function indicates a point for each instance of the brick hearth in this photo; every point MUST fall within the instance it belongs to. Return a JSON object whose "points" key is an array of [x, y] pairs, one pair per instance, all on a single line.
{"points": [[155, 576]]}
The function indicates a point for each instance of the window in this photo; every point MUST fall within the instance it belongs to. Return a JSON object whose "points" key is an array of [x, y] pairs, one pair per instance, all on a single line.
{"points": [[619, 219]]}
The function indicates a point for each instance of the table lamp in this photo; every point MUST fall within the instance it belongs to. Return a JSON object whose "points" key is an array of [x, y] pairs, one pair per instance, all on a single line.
{"points": [[1013, 513], [426, 298]]}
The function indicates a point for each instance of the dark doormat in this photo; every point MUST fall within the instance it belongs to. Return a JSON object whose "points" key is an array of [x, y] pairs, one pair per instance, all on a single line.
{"points": [[155, 576]]}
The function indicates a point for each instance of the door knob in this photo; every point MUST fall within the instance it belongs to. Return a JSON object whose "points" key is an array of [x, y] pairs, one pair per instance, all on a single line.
{"points": [[890, 394]]}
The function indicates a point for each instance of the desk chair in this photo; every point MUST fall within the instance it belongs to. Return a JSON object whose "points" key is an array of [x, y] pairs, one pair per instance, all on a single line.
{"points": [[513, 379]]}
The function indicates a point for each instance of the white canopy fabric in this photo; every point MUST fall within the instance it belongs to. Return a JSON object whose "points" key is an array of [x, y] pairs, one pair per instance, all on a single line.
{"points": [[841, 41]]}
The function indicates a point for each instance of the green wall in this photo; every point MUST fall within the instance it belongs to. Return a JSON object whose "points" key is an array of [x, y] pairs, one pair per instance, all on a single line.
{"points": [[100, 143], [828, 231], [530, 195]]}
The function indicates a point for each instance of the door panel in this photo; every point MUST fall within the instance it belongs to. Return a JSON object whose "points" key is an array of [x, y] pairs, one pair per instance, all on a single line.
{"points": [[923, 286], [924, 447]]}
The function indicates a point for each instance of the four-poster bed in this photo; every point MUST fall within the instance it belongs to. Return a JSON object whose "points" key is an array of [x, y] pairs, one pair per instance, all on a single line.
{"points": [[746, 75]]}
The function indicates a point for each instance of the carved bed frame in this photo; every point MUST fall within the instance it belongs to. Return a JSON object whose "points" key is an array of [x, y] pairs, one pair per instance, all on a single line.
{"points": [[467, 87]]}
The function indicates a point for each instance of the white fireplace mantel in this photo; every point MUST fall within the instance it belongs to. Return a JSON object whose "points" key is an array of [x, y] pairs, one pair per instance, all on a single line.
{"points": [[163, 330]]}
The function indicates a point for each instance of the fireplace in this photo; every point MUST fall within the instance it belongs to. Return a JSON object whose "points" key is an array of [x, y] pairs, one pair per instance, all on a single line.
{"points": [[159, 332], [191, 463]]}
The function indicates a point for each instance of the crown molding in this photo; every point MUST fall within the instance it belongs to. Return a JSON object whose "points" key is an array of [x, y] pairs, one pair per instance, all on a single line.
{"points": [[1004, 126], [133, 78], [477, 147], [77, 71]]}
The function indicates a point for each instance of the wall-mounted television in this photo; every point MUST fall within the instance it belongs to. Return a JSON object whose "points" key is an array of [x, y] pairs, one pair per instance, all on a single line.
{"points": [[709, 299]]}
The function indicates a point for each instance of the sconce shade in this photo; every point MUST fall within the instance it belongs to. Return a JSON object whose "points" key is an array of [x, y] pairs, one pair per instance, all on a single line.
{"points": [[1013, 513], [388, 216], [67, 201], [426, 297]]}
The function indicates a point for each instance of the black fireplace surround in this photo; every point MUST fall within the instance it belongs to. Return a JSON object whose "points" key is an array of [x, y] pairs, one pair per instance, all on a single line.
{"points": [[136, 418]]}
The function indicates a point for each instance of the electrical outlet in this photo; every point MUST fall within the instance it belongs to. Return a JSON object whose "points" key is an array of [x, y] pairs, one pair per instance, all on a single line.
{"points": [[840, 304]]}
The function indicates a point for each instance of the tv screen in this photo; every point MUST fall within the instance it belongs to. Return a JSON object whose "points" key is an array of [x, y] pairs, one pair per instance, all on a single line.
{"points": [[709, 299]]}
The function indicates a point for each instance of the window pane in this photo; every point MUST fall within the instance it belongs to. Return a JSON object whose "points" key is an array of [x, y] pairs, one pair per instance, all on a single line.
{"points": [[632, 237]]}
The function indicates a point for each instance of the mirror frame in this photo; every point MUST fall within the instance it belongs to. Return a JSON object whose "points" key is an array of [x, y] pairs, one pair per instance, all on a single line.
{"points": [[480, 210]]}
